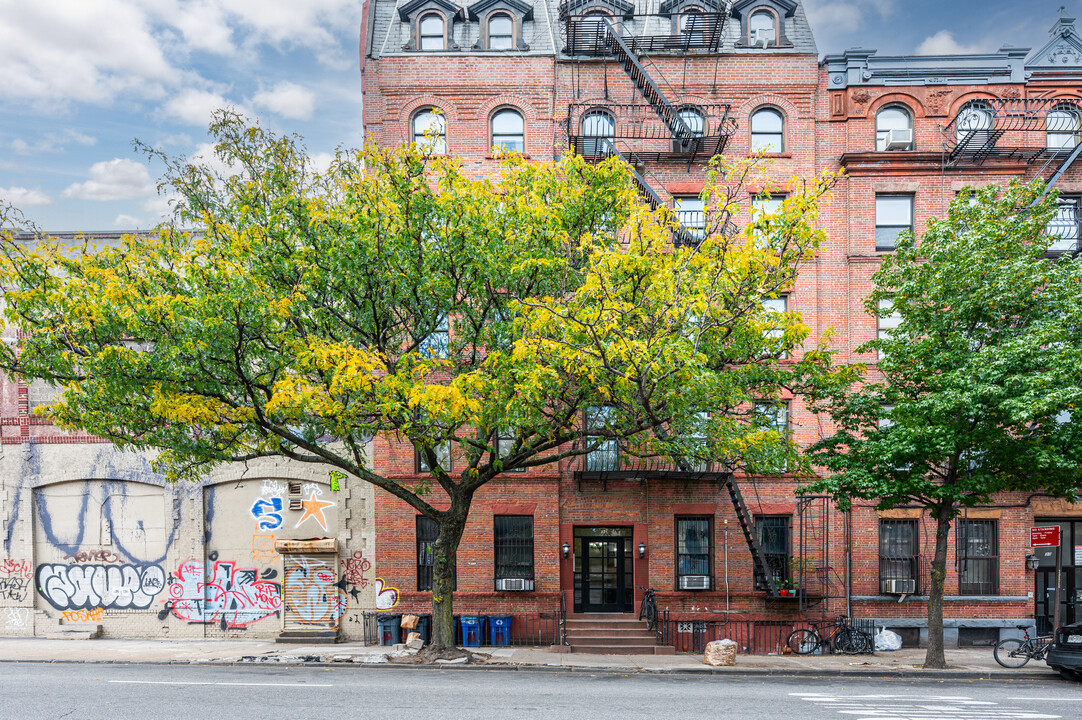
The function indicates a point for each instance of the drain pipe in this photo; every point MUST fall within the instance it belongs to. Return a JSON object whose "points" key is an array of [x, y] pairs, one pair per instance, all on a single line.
{"points": [[726, 566]]}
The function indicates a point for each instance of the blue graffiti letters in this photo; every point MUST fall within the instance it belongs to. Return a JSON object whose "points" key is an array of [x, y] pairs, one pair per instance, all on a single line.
{"points": [[268, 513]]}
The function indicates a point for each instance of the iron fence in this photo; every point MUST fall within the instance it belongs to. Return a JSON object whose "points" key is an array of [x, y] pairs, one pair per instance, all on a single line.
{"points": [[753, 637]]}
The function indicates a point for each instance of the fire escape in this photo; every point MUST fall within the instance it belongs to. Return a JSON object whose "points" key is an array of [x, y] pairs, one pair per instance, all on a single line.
{"points": [[655, 129]]}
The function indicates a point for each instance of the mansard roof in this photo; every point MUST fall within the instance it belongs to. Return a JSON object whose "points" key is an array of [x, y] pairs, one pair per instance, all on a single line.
{"points": [[452, 9], [523, 9], [787, 7], [860, 66]]}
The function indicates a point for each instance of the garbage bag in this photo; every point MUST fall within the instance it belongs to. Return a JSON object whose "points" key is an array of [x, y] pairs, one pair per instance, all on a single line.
{"points": [[887, 640], [720, 652]]}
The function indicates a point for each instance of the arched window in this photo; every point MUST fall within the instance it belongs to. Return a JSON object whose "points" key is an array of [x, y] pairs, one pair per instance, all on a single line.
{"points": [[430, 29], [508, 130], [692, 24], [1062, 126], [767, 131], [430, 131], [598, 133], [974, 124], [501, 32], [893, 129], [762, 28], [695, 120]]}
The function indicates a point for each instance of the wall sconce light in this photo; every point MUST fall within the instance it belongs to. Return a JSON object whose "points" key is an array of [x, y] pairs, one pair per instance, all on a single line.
{"points": [[567, 550], [1032, 562], [642, 550]]}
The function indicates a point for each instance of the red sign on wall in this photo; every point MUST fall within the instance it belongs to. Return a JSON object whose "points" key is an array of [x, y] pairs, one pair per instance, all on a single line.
{"points": [[1047, 536]]}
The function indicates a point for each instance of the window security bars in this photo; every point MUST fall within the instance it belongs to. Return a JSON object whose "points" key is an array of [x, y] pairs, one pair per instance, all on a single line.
{"points": [[514, 546], [978, 557], [773, 535], [693, 547], [899, 557]]}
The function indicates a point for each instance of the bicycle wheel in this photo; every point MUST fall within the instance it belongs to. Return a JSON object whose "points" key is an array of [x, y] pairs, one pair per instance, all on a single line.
{"points": [[649, 613], [846, 641], [803, 641], [1011, 653]]}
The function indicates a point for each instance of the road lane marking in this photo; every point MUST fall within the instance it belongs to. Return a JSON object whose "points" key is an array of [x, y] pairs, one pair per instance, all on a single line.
{"points": [[252, 684], [917, 707]]}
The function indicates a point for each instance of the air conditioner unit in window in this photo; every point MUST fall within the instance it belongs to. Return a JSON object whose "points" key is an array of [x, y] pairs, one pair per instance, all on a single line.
{"points": [[514, 584], [694, 582], [899, 139], [899, 587]]}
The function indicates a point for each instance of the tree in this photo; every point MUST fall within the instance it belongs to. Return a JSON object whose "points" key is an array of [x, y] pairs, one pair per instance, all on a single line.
{"points": [[300, 315], [976, 389]]}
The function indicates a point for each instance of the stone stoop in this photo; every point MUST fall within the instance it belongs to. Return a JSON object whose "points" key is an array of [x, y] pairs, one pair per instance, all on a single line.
{"points": [[64, 630], [603, 634], [323, 636]]}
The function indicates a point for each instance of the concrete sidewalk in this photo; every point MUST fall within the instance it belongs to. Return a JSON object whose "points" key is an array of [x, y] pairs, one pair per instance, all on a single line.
{"points": [[968, 663]]}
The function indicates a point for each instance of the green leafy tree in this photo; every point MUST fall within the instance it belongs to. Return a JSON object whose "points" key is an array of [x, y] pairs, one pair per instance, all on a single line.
{"points": [[977, 388], [288, 313]]}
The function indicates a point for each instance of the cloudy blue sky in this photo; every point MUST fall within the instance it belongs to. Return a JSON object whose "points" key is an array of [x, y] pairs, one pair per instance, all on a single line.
{"points": [[81, 79]]}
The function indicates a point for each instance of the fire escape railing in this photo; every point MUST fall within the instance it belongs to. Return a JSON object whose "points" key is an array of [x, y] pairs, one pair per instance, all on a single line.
{"points": [[645, 33], [1026, 129], [642, 136]]}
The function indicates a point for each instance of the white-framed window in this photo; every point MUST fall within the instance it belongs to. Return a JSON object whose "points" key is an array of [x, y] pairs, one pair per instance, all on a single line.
{"points": [[695, 120], [691, 213], [1064, 225], [893, 215], [887, 321], [762, 28], [598, 133], [778, 306], [767, 130], [1062, 128], [605, 457], [893, 128], [431, 32], [501, 32], [438, 342], [508, 130], [974, 124], [430, 130], [505, 443]]}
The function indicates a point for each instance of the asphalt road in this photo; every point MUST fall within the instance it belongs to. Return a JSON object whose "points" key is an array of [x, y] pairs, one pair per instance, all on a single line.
{"points": [[33, 691]]}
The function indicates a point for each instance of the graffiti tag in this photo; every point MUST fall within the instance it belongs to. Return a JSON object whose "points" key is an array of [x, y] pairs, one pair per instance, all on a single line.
{"points": [[268, 513], [82, 587], [263, 548], [13, 588], [235, 597], [386, 597], [16, 617], [336, 476], [311, 591], [270, 487], [18, 568], [355, 568], [103, 556], [83, 616]]}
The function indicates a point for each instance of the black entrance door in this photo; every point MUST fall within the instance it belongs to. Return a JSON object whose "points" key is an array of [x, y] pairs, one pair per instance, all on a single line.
{"points": [[604, 581], [1044, 591]]}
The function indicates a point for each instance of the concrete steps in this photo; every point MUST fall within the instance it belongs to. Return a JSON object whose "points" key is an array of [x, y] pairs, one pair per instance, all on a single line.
{"points": [[601, 634], [65, 630], [308, 637]]}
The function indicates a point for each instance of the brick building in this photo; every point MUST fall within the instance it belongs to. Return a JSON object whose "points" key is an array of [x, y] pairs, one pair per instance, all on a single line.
{"points": [[666, 85]]}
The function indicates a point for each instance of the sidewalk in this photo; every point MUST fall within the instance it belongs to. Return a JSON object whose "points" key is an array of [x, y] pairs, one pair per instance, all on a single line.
{"points": [[967, 663]]}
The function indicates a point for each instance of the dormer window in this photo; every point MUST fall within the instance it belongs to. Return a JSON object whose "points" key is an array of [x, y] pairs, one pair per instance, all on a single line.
{"points": [[762, 29], [431, 31], [501, 32]]}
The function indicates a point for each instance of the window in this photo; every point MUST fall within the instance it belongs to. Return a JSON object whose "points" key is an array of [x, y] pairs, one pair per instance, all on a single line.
{"points": [[692, 25], [978, 557], [762, 29], [430, 31], [427, 532], [774, 333], [606, 456], [696, 122], [1064, 226], [505, 442], [430, 131], [691, 213], [508, 130], [768, 204], [886, 322], [767, 131], [893, 129], [772, 532], [599, 133], [513, 536], [501, 29], [693, 552], [437, 343], [1062, 125], [443, 457], [899, 556], [773, 416], [893, 215], [974, 124]]}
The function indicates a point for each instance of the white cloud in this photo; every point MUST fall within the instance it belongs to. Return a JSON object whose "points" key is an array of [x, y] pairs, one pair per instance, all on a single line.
{"points": [[55, 51], [288, 100], [196, 107], [310, 24], [52, 142], [204, 155], [844, 15], [126, 221], [204, 25], [321, 161], [22, 197], [117, 179], [943, 43], [160, 207]]}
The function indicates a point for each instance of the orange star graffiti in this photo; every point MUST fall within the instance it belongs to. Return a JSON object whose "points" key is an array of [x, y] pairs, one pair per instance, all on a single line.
{"points": [[313, 508]]}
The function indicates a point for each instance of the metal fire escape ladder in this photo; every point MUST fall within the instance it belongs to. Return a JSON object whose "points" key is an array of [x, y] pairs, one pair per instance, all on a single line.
{"points": [[763, 578], [646, 85]]}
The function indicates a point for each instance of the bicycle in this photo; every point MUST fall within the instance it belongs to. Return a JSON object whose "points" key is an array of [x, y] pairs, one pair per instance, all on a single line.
{"points": [[1014, 653], [648, 608], [836, 635]]}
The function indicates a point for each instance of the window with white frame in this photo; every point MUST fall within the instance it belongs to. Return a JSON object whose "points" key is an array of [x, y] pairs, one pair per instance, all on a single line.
{"points": [[893, 129], [605, 456], [438, 342], [974, 124], [598, 133], [893, 216], [505, 444], [775, 308], [501, 32], [1064, 226], [767, 131], [508, 130], [691, 213], [430, 131], [431, 32], [887, 321], [762, 28], [1062, 128]]}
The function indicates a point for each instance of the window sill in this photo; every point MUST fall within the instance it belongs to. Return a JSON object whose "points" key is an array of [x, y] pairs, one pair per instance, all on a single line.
{"points": [[782, 155], [524, 156]]}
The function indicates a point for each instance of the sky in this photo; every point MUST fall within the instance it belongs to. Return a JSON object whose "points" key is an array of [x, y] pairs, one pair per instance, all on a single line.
{"points": [[81, 80]]}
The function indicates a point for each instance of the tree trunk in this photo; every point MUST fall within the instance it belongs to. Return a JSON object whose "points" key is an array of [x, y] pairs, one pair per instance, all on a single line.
{"points": [[444, 561], [935, 659]]}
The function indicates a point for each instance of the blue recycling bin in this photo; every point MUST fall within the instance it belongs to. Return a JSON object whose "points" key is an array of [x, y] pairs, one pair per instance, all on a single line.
{"points": [[499, 630], [473, 630], [424, 623], [389, 627]]}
